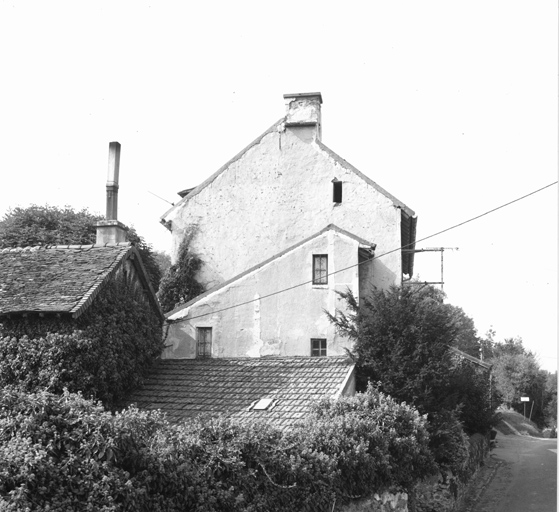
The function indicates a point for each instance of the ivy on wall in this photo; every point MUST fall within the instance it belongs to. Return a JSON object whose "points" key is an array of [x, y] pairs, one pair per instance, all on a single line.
{"points": [[179, 284]]}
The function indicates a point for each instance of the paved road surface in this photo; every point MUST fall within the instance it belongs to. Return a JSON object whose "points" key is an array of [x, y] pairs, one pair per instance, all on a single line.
{"points": [[526, 481]]}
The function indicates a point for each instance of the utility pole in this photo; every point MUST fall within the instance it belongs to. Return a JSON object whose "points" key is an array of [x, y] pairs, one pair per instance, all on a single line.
{"points": [[433, 249]]}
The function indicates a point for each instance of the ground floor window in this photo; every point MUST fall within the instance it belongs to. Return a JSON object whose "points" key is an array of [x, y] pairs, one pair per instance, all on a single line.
{"points": [[318, 347], [204, 341]]}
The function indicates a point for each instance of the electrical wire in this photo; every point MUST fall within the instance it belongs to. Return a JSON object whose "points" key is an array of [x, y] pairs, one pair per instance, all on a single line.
{"points": [[367, 260]]}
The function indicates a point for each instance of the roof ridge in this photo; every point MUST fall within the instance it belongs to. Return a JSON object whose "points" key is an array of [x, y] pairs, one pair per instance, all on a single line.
{"points": [[30, 248]]}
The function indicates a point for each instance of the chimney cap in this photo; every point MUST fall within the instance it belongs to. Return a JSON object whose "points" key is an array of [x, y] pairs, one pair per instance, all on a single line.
{"points": [[304, 95]]}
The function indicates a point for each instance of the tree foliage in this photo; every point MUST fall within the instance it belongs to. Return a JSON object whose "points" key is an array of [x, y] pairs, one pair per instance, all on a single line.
{"points": [[104, 355], [550, 411], [517, 373], [179, 284], [50, 225], [402, 339], [47, 225], [466, 338], [67, 453]]}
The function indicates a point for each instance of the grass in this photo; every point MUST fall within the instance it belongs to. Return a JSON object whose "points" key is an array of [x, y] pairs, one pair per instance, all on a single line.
{"points": [[518, 422]]}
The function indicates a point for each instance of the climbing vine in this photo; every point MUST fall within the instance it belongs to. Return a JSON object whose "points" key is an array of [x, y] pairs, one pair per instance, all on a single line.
{"points": [[179, 284]]}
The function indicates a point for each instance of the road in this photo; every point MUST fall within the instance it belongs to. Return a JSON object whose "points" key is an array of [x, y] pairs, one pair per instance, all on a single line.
{"points": [[526, 479]]}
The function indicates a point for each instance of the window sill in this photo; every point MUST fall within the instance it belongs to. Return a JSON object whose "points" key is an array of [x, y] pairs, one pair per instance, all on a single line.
{"points": [[320, 286]]}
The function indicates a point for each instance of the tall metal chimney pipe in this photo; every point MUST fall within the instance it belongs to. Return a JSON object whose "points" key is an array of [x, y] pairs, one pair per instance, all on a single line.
{"points": [[112, 181], [111, 230]]}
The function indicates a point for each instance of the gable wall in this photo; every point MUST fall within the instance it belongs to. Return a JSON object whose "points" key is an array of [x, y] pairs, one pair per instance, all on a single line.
{"points": [[280, 325], [275, 195]]}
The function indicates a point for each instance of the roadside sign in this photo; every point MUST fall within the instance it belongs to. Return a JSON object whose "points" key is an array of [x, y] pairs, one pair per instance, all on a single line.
{"points": [[524, 398]]}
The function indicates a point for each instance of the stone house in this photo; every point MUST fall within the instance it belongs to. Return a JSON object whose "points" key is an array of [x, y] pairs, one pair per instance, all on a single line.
{"points": [[280, 229]]}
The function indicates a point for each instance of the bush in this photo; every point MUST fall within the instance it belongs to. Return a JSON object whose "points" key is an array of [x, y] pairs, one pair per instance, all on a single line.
{"points": [[67, 453], [57, 451]]}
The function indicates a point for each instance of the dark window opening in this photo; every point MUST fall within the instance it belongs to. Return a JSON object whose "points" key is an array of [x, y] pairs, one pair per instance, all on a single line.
{"points": [[337, 194], [318, 347], [320, 269], [204, 341]]}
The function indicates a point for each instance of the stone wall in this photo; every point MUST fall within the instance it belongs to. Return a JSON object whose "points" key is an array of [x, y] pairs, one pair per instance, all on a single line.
{"points": [[386, 502]]}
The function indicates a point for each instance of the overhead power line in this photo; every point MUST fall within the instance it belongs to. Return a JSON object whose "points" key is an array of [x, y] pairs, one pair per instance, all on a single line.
{"points": [[283, 290]]}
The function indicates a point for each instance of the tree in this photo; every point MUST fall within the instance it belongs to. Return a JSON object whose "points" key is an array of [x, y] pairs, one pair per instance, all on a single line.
{"points": [[551, 395], [179, 284], [517, 373], [466, 338], [487, 343], [50, 225], [47, 225], [163, 261], [402, 339]]}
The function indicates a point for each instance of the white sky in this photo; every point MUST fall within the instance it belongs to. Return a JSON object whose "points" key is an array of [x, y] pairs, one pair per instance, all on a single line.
{"points": [[451, 106]]}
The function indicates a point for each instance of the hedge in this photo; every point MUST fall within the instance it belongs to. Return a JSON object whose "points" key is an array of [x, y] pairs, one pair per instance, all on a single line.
{"points": [[66, 453]]}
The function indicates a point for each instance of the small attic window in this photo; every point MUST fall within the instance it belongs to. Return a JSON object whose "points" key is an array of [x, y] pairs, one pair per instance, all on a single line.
{"points": [[262, 404], [336, 191]]}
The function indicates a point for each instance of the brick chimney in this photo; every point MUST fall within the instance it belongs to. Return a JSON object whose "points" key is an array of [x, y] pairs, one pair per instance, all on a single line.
{"points": [[303, 115], [110, 230]]}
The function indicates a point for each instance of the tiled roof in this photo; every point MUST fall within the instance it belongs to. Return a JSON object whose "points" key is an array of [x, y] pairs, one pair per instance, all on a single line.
{"points": [[184, 388], [61, 279]]}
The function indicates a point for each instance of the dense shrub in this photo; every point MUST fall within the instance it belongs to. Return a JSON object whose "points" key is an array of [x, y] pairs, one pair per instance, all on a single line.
{"points": [[402, 338], [470, 388], [104, 354], [67, 453]]}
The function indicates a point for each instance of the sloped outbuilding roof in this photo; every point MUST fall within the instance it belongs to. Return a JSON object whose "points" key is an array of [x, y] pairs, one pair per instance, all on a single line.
{"points": [[61, 279], [184, 388]]}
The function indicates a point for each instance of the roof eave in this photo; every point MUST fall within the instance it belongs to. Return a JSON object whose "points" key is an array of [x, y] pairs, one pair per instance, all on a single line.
{"points": [[369, 181]]}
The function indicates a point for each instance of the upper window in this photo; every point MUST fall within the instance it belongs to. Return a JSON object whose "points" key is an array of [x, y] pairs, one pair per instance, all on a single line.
{"points": [[337, 191], [204, 341], [318, 347], [320, 269]]}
